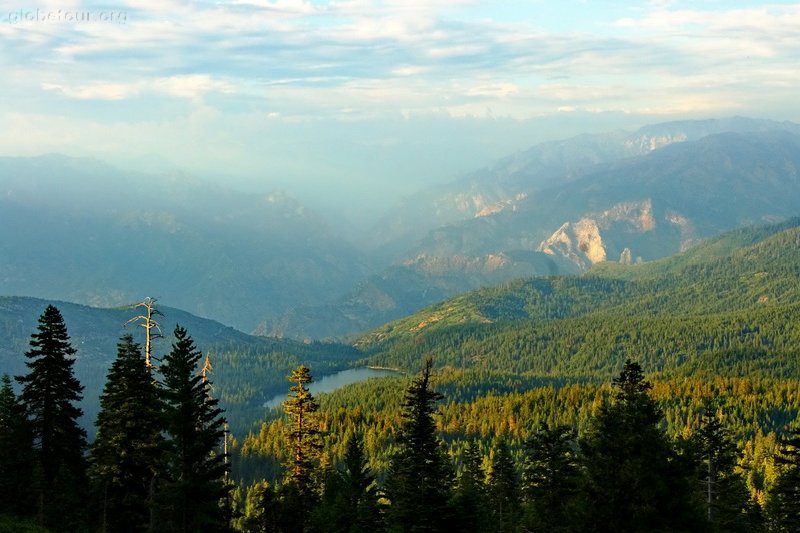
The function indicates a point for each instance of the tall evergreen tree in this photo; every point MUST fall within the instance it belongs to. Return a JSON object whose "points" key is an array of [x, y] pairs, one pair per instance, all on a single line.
{"points": [[50, 392], [350, 499], [783, 505], [636, 481], [299, 495], [192, 494], [471, 499], [727, 502], [419, 478], [504, 489], [552, 481], [127, 454], [16, 454], [305, 438]]}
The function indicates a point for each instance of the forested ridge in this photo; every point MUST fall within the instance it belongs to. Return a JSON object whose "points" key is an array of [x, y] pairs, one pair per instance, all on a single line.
{"points": [[715, 327], [720, 307], [655, 397]]}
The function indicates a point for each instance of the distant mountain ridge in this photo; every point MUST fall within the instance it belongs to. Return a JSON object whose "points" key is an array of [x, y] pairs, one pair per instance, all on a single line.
{"points": [[689, 181], [509, 181], [80, 230]]}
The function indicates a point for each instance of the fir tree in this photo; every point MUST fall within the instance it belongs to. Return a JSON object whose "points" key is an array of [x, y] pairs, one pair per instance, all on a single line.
{"points": [[783, 505], [50, 392], [470, 499], [305, 438], [552, 480], [350, 499], [728, 505], [16, 454], [260, 509], [418, 482], [127, 454], [504, 489], [194, 490], [636, 481]]}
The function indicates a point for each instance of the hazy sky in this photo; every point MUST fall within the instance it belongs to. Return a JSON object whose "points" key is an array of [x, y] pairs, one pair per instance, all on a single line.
{"points": [[329, 98]]}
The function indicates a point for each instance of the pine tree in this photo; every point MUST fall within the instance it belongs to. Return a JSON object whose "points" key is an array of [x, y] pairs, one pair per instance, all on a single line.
{"points": [[350, 499], [783, 505], [419, 478], [504, 489], [16, 454], [636, 481], [305, 438], [471, 499], [552, 480], [192, 494], [260, 509], [728, 505], [50, 392], [127, 454], [360, 489]]}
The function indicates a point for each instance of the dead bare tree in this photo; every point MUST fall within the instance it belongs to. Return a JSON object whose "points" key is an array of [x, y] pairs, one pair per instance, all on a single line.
{"points": [[149, 324]]}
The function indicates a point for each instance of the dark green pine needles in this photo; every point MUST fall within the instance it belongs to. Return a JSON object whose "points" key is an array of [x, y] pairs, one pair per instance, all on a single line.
{"points": [[128, 453], [50, 392]]}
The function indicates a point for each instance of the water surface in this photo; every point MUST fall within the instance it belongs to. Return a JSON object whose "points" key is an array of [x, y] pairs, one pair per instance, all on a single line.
{"points": [[332, 382]]}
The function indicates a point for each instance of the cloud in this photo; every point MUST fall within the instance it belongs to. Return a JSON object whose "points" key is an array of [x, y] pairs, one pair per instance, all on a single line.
{"points": [[96, 91], [330, 52], [192, 86], [178, 74]]}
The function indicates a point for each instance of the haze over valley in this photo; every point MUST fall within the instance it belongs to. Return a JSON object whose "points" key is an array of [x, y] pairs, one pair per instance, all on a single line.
{"points": [[83, 231]]}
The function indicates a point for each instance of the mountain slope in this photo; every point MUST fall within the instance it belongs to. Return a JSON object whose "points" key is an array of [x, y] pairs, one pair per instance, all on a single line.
{"points": [[730, 304], [511, 180], [689, 182]]}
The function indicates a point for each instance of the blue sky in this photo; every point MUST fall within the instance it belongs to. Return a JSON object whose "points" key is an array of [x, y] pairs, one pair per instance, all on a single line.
{"points": [[334, 98]]}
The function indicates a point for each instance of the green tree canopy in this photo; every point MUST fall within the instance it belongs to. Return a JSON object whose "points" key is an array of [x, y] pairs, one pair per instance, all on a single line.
{"points": [[191, 495], [305, 438], [783, 505], [127, 454], [728, 505], [350, 500], [470, 498], [504, 489], [419, 478], [16, 454], [50, 393], [552, 480], [636, 481]]}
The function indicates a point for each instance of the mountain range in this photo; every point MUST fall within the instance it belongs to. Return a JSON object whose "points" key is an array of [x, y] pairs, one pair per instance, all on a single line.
{"points": [[562, 207], [83, 231], [726, 306]]}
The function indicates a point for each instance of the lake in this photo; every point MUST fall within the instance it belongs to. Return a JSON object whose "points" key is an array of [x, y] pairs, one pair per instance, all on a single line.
{"points": [[332, 382]]}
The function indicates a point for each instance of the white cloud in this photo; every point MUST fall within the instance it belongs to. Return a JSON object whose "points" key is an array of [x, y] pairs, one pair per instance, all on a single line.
{"points": [[497, 90], [96, 91], [177, 66], [192, 86]]}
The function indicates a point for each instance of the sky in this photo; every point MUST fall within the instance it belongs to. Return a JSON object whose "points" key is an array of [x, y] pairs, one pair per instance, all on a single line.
{"points": [[356, 101]]}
